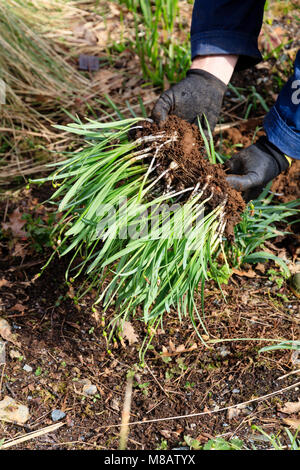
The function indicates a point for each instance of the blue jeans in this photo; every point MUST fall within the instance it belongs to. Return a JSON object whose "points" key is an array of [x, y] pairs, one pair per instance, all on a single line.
{"points": [[282, 123], [232, 27]]}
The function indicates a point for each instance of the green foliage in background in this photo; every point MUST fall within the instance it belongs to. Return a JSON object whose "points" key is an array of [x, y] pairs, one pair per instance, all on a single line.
{"points": [[163, 56]]}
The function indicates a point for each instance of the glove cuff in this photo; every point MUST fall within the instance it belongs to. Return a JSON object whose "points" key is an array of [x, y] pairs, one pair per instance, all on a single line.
{"points": [[209, 77], [264, 144]]}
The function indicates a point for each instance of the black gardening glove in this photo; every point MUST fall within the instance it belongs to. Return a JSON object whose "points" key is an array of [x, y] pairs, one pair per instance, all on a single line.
{"points": [[197, 94], [252, 168]]}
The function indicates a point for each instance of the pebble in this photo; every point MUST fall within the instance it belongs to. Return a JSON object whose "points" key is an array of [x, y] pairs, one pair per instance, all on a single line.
{"points": [[56, 415], [27, 368], [223, 351], [90, 390], [236, 390], [14, 354], [10, 410]]}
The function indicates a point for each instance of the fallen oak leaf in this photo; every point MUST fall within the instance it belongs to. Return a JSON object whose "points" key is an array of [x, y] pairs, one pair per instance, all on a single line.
{"points": [[261, 267], [18, 308], [290, 407], [166, 433], [233, 413], [129, 333], [292, 422], [5, 283], [249, 273], [19, 250], [6, 333], [180, 349], [15, 224], [5, 330]]}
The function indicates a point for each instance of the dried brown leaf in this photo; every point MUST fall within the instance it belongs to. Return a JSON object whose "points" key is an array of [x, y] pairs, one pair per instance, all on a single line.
{"points": [[250, 273], [12, 411], [129, 333], [15, 224], [4, 283], [19, 250], [234, 412], [293, 422], [18, 308], [6, 333], [290, 407], [261, 267]]}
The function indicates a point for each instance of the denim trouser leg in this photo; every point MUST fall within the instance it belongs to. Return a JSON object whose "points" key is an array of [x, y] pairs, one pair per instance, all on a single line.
{"points": [[282, 123], [227, 27]]}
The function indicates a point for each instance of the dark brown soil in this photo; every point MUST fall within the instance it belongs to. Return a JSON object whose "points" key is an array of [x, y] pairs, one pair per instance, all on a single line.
{"points": [[193, 168], [62, 340], [63, 344], [287, 185]]}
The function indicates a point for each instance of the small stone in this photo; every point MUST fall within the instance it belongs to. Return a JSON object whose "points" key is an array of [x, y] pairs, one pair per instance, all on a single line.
{"points": [[14, 354], [89, 390], [115, 404], [12, 411], [56, 415], [236, 390], [27, 368], [2, 352], [223, 351]]}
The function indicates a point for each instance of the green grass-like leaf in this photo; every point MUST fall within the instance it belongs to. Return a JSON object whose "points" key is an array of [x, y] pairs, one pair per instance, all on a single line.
{"points": [[157, 268], [153, 272]]}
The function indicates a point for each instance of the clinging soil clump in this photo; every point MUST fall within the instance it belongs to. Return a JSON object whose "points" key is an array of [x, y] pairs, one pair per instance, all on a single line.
{"points": [[183, 160]]}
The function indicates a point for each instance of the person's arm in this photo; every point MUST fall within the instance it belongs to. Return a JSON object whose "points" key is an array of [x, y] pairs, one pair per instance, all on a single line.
{"points": [[220, 66], [253, 167], [223, 35]]}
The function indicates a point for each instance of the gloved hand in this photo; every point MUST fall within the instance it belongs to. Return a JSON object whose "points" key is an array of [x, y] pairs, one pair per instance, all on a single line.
{"points": [[252, 168], [197, 94]]}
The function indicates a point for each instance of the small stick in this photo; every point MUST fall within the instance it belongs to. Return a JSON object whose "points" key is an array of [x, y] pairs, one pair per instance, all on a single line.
{"points": [[32, 435], [194, 415], [290, 373], [126, 414], [157, 381]]}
